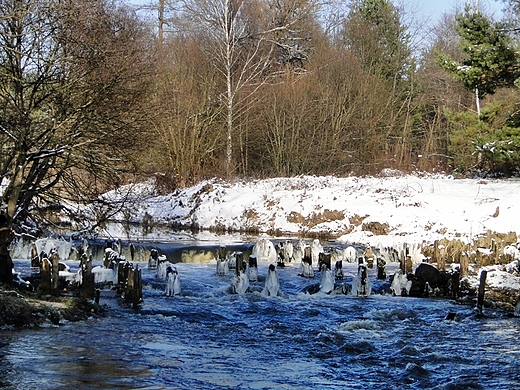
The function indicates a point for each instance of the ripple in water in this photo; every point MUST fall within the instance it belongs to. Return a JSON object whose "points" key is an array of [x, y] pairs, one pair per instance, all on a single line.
{"points": [[207, 338]]}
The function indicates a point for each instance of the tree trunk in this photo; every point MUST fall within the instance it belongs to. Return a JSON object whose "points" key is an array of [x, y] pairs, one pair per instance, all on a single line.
{"points": [[6, 263]]}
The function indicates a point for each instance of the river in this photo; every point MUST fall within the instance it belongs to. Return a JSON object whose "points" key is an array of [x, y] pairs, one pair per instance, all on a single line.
{"points": [[208, 338]]}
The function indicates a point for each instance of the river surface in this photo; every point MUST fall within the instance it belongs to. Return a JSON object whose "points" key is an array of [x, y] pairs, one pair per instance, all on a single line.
{"points": [[208, 338]]}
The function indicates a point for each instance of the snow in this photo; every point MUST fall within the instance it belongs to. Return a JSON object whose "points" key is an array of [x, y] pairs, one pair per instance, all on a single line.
{"points": [[410, 208]]}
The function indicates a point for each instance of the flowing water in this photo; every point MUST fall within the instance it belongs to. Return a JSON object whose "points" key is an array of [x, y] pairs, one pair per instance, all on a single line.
{"points": [[208, 338]]}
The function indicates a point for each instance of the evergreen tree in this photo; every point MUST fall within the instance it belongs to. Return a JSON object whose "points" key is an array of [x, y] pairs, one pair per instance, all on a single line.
{"points": [[491, 60], [374, 32]]}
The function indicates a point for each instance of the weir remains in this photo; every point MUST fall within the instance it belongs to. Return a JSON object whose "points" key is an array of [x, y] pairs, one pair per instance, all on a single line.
{"points": [[438, 269], [52, 277]]}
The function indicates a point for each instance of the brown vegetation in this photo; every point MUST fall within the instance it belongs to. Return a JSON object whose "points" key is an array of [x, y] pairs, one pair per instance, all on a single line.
{"points": [[30, 310], [344, 104], [315, 218]]}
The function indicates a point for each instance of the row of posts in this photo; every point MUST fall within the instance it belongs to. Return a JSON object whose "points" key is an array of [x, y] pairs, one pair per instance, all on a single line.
{"points": [[129, 279]]}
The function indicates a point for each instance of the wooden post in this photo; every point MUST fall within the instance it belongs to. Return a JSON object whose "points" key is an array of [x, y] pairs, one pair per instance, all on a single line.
{"points": [[221, 252], [307, 255], [464, 264], [55, 261], [138, 288], [253, 262], [120, 276], [129, 288], [402, 262], [239, 256], [481, 290], [133, 289], [324, 258], [153, 260], [408, 265], [35, 259], [83, 260], [46, 274], [369, 256], [494, 251], [87, 289], [381, 263], [338, 270], [455, 281]]}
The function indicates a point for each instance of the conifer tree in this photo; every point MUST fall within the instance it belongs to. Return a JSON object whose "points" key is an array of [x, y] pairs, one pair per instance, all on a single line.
{"points": [[491, 60], [374, 32]]}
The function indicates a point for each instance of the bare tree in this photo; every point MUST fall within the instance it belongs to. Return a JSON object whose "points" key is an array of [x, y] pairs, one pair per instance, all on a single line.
{"points": [[186, 125], [70, 74], [242, 37]]}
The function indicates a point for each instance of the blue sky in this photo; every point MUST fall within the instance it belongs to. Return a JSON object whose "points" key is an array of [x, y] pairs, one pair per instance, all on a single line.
{"points": [[427, 9], [435, 8]]}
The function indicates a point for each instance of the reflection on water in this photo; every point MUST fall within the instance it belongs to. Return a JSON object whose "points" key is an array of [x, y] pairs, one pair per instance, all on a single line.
{"points": [[207, 338]]}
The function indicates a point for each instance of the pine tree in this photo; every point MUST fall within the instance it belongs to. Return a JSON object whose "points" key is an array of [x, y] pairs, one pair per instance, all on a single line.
{"points": [[491, 60]]}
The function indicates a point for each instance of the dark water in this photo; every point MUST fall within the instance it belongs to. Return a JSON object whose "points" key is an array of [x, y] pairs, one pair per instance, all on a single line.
{"points": [[207, 338]]}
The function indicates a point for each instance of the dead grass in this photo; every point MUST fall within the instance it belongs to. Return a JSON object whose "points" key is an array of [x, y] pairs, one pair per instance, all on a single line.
{"points": [[315, 218]]}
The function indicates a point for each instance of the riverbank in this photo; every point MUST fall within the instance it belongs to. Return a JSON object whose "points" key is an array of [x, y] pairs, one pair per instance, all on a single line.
{"points": [[385, 210], [28, 310]]}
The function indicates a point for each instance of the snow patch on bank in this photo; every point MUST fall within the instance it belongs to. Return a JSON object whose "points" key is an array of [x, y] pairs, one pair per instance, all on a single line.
{"points": [[405, 208]]}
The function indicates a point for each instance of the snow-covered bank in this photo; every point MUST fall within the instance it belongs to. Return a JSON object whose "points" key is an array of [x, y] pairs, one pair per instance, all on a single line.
{"points": [[384, 210]]}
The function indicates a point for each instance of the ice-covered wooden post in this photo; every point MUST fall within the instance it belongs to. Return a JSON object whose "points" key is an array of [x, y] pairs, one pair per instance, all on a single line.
{"points": [[221, 252], [455, 281], [280, 254], [253, 268], [46, 274], [239, 256], [153, 261], [481, 290]]}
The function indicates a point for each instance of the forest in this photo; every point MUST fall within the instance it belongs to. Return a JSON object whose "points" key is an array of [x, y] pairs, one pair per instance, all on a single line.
{"points": [[95, 94]]}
